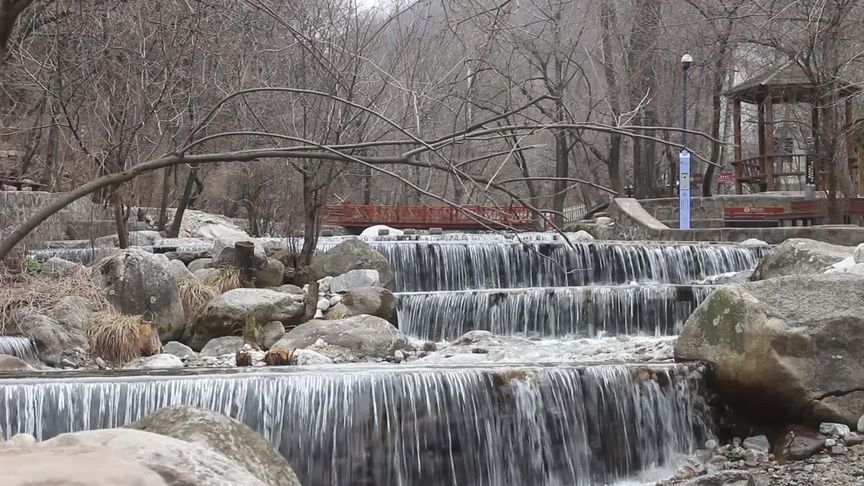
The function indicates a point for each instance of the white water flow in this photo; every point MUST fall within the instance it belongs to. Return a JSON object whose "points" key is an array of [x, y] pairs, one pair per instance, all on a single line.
{"points": [[558, 312], [365, 425], [20, 347], [430, 266]]}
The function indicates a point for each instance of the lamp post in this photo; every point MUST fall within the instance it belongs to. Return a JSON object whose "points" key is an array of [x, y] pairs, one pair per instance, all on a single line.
{"points": [[684, 155]]}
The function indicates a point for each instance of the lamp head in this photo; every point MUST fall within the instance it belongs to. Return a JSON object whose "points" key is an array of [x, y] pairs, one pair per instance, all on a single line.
{"points": [[686, 61]]}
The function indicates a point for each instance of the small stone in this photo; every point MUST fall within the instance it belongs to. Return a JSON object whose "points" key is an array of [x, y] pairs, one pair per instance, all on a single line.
{"points": [[861, 425], [429, 347], [100, 363], [319, 314], [752, 457], [178, 349], [335, 299], [853, 439], [830, 442], [757, 443], [479, 350], [398, 356], [711, 444], [243, 358], [838, 449], [834, 430]]}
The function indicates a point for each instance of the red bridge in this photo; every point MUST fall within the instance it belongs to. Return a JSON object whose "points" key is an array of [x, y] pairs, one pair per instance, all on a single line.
{"points": [[445, 217]]}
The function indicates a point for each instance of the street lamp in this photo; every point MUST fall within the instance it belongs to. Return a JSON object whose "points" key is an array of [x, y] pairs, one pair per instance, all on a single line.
{"points": [[686, 62], [684, 156]]}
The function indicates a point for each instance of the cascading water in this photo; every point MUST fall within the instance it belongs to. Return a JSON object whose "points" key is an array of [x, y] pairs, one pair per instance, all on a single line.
{"points": [[429, 266], [657, 310], [20, 347], [360, 425]]}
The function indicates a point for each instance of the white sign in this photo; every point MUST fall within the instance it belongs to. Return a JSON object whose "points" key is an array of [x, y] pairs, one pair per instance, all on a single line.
{"points": [[684, 190]]}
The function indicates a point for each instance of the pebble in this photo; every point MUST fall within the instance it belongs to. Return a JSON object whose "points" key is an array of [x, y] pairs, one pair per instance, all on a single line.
{"points": [[711, 444], [758, 443], [398, 356], [834, 430], [830, 442]]}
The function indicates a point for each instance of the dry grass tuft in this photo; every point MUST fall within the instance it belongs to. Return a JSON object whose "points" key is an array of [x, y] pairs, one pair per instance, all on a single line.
{"points": [[115, 337], [195, 295], [39, 294], [227, 278]]}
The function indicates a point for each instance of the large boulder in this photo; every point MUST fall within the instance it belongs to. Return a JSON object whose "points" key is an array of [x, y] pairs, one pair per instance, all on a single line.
{"points": [[225, 435], [375, 301], [178, 462], [223, 345], [227, 314], [140, 283], [58, 333], [800, 256], [155, 362], [350, 255], [13, 363], [73, 466], [354, 279], [199, 263], [58, 267], [790, 348], [368, 337]]}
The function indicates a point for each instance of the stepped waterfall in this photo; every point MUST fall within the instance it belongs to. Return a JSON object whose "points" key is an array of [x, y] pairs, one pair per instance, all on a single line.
{"points": [[503, 423]]}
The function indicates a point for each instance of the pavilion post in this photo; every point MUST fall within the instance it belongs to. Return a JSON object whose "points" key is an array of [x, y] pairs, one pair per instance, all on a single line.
{"points": [[768, 159], [736, 139]]}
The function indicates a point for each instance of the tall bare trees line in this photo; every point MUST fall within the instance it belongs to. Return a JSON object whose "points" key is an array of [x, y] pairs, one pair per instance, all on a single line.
{"points": [[569, 91]]}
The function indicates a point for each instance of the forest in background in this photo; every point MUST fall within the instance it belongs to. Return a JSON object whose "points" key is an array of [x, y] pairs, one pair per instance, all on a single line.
{"points": [[289, 106]]}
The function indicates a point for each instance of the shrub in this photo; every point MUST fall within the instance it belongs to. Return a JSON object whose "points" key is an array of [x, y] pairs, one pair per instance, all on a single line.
{"points": [[115, 337], [195, 295], [227, 278]]}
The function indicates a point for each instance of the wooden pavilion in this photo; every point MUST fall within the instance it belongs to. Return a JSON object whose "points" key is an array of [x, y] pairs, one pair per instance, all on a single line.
{"points": [[785, 83]]}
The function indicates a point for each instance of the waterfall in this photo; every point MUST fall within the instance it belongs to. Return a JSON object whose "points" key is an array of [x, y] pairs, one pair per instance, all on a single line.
{"points": [[658, 310], [430, 266], [20, 347], [360, 425]]}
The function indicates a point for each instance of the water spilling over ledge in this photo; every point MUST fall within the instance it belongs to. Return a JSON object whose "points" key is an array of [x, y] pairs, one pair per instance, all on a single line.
{"points": [[656, 310], [20, 347], [430, 266], [363, 425]]}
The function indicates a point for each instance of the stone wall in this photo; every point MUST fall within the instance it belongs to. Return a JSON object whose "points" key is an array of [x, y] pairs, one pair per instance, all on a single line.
{"points": [[17, 206], [711, 208]]}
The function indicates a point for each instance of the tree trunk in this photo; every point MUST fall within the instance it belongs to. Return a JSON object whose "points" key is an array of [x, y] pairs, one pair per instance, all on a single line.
{"points": [[174, 230], [119, 218], [643, 85], [244, 260], [310, 221], [608, 21]]}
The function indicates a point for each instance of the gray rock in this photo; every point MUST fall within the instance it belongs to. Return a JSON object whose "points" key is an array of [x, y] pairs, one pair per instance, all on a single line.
{"points": [[178, 462], [803, 335], [350, 255], [139, 283], [324, 284], [374, 301], [272, 332], [354, 279], [223, 251], [229, 437], [204, 274], [853, 439], [289, 289], [270, 274], [860, 426], [157, 361], [13, 363], [179, 270], [223, 345], [306, 357], [799, 256], [837, 449], [335, 299], [136, 238], [858, 254], [323, 304], [178, 349], [581, 236], [368, 337], [338, 311], [834, 430], [58, 267], [73, 466], [52, 337], [723, 478], [757, 443], [226, 314], [830, 442], [753, 242], [604, 221], [199, 264]]}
